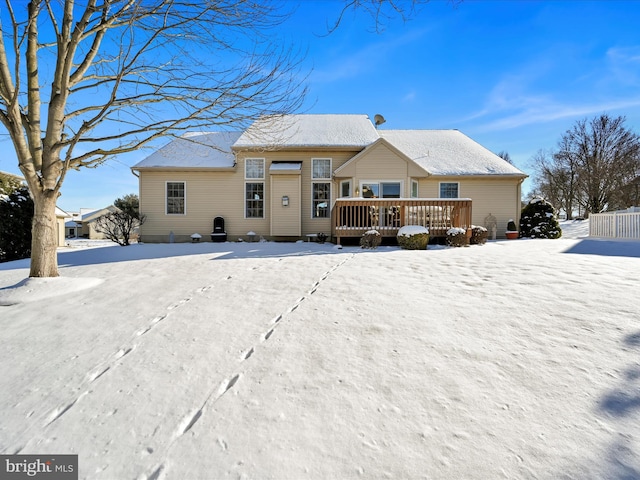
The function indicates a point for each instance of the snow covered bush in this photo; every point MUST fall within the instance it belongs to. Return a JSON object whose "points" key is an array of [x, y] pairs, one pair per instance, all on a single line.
{"points": [[456, 237], [539, 220], [479, 235], [16, 215], [370, 239], [413, 237]]}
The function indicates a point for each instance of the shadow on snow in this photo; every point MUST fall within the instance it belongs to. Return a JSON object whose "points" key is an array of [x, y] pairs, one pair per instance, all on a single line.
{"points": [[610, 248], [151, 251], [623, 403]]}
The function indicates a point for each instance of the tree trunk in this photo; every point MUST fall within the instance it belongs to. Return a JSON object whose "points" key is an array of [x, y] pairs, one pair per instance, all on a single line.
{"points": [[44, 242]]}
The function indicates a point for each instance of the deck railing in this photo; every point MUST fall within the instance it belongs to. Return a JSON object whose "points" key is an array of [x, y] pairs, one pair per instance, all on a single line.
{"points": [[352, 217]]}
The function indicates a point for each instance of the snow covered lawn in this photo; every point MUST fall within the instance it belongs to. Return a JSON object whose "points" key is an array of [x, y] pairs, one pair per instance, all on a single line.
{"points": [[516, 359]]}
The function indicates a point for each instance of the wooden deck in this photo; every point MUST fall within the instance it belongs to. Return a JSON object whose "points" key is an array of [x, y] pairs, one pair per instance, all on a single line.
{"points": [[352, 217]]}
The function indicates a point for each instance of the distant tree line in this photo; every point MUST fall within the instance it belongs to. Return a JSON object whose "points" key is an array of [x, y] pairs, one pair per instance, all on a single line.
{"points": [[594, 167]]}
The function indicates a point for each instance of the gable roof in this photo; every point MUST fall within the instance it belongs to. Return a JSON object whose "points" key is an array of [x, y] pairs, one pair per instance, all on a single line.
{"points": [[307, 130], [448, 152], [194, 150], [348, 168], [437, 152], [91, 216]]}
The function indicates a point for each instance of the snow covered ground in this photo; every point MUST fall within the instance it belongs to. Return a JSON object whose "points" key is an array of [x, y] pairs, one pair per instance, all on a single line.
{"points": [[516, 359]]}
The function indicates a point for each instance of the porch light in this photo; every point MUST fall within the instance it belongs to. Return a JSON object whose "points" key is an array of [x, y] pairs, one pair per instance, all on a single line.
{"points": [[285, 201]]}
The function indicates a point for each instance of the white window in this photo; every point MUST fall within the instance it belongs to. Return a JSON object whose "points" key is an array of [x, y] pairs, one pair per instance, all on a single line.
{"points": [[414, 189], [321, 198], [381, 189], [345, 188], [321, 169], [254, 168], [254, 200], [449, 189], [176, 198]]}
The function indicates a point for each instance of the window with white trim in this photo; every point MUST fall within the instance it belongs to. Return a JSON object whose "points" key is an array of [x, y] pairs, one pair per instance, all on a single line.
{"points": [[449, 189], [254, 191], [414, 189], [321, 196], [176, 198], [320, 191], [321, 169], [345, 188], [254, 200], [254, 168], [381, 189]]}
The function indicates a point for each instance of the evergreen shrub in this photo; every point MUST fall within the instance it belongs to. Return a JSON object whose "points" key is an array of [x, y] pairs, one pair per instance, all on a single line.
{"points": [[413, 237], [456, 237], [539, 220], [16, 216], [371, 239], [479, 235]]}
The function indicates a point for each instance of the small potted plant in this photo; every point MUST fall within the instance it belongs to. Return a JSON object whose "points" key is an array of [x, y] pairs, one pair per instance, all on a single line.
{"points": [[512, 230]]}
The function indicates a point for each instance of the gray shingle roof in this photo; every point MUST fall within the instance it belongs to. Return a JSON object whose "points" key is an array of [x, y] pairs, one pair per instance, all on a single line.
{"points": [[327, 130], [448, 152], [194, 150]]}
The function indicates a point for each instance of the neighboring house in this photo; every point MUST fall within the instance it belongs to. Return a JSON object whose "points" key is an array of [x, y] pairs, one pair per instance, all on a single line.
{"points": [[88, 222], [61, 217], [73, 226], [297, 175]]}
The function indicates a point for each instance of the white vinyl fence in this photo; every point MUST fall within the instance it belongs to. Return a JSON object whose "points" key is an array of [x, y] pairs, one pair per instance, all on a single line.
{"points": [[615, 225]]}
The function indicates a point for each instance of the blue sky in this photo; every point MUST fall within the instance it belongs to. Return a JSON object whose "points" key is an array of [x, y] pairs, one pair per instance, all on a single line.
{"points": [[512, 75]]}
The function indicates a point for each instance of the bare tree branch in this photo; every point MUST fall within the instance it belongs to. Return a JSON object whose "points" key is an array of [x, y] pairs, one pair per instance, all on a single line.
{"points": [[115, 75]]}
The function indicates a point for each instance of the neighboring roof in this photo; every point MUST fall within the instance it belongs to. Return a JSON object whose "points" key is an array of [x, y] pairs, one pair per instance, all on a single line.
{"points": [[194, 150], [448, 152], [88, 217], [11, 175], [61, 213], [307, 130]]}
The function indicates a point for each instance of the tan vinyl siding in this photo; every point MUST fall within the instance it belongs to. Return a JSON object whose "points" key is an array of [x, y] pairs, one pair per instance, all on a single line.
{"points": [[208, 195], [285, 221], [381, 162], [309, 224], [212, 193], [498, 196]]}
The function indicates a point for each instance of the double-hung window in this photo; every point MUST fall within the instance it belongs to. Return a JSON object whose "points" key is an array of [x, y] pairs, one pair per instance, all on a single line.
{"points": [[320, 187], [254, 187], [449, 190], [176, 198]]}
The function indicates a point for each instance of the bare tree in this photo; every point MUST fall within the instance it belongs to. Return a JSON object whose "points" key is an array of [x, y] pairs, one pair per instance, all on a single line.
{"points": [[606, 157], [503, 154], [557, 177], [120, 225], [383, 11], [592, 168], [83, 81]]}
